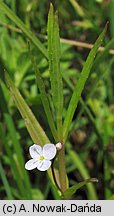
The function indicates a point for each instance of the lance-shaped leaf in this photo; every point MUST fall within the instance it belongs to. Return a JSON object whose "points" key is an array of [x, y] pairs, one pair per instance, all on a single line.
{"points": [[22, 26], [45, 103], [35, 130], [44, 97], [72, 190], [81, 83], [54, 67]]}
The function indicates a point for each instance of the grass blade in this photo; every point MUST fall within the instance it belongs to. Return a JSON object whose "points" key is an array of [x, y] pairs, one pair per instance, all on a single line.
{"points": [[17, 177], [111, 17], [81, 82], [54, 67], [22, 26], [15, 142], [79, 10], [5, 182], [74, 157]]}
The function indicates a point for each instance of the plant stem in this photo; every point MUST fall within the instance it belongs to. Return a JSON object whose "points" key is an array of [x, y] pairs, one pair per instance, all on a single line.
{"points": [[62, 169]]}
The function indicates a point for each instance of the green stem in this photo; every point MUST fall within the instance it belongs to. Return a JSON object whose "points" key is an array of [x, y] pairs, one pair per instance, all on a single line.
{"points": [[54, 177], [62, 170]]}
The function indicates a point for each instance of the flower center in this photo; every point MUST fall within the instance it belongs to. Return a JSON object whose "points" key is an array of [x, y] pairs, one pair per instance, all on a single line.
{"points": [[41, 158]]}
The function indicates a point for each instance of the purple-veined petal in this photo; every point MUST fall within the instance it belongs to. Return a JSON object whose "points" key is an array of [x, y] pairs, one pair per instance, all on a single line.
{"points": [[49, 151], [35, 151], [32, 164], [44, 165]]}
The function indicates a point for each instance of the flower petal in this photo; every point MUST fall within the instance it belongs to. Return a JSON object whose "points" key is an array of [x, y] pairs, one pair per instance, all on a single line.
{"points": [[31, 164], [49, 151], [44, 165], [35, 151]]}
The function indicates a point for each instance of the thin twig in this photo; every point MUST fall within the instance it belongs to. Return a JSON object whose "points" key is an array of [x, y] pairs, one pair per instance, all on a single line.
{"points": [[10, 27], [63, 40], [80, 44]]}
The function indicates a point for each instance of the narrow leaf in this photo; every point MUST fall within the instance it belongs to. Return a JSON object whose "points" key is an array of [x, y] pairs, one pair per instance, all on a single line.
{"points": [[72, 190], [45, 103], [101, 56], [54, 67], [15, 171], [50, 37], [44, 97], [80, 166], [81, 83], [5, 183], [15, 142], [79, 10], [36, 132], [84, 106], [22, 26]]}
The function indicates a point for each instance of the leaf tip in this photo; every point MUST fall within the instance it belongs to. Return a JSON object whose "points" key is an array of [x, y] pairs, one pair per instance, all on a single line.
{"points": [[51, 6], [106, 26], [107, 23]]}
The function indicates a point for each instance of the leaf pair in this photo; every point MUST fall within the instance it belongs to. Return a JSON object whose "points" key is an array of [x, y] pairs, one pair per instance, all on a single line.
{"points": [[54, 66]]}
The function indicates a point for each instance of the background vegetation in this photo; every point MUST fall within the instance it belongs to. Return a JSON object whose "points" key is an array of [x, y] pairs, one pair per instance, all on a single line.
{"points": [[90, 146]]}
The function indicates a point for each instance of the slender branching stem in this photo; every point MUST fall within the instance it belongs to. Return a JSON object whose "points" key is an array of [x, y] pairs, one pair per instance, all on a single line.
{"points": [[62, 169]]}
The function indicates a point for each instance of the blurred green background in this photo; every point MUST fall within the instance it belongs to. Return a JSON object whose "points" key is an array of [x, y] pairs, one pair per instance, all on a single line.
{"points": [[90, 148]]}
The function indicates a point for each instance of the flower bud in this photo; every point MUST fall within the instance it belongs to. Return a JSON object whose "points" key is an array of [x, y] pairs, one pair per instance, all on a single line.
{"points": [[58, 146]]}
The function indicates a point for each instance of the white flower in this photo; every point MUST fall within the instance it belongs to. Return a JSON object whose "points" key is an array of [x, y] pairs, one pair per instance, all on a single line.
{"points": [[41, 157]]}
